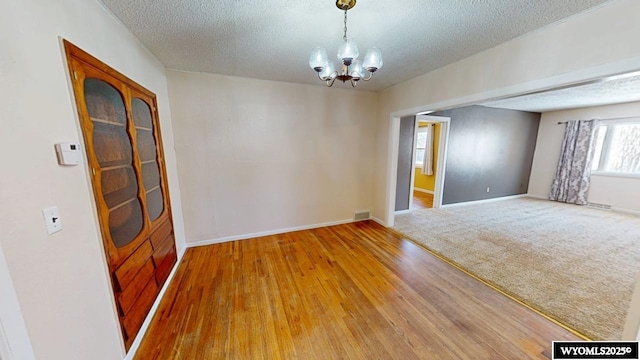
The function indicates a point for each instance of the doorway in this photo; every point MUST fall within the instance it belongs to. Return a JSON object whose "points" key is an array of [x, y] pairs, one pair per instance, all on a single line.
{"points": [[439, 135], [425, 165], [414, 188]]}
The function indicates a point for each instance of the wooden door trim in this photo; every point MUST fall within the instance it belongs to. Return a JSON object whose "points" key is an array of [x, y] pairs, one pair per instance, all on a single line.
{"points": [[73, 51], [157, 136]]}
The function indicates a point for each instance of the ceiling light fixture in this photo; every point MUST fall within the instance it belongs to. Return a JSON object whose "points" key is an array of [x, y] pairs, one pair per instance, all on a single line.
{"points": [[352, 69]]}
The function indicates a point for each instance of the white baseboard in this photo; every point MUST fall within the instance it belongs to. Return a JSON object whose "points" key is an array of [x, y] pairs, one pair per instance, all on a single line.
{"points": [[615, 209], [626, 211], [379, 221], [145, 325], [267, 233], [485, 200], [537, 197], [423, 190]]}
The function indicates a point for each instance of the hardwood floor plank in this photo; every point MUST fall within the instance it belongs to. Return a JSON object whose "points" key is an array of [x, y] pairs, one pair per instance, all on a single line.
{"points": [[355, 291], [422, 200]]}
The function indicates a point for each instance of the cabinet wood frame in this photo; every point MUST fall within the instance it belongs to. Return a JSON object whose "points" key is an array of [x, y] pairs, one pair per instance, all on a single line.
{"points": [[81, 66]]}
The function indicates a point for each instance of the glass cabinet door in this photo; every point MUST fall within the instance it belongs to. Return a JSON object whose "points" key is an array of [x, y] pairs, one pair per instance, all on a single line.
{"points": [[147, 150], [124, 153], [114, 155]]}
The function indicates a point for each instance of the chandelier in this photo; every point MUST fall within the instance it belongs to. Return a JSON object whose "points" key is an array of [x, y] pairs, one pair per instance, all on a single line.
{"points": [[351, 69]]}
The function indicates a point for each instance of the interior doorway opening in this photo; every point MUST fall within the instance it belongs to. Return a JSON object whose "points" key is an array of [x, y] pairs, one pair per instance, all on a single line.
{"points": [[422, 149]]}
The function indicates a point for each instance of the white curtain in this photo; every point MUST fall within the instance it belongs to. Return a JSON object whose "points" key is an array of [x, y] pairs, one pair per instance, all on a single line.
{"points": [[573, 175], [427, 163]]}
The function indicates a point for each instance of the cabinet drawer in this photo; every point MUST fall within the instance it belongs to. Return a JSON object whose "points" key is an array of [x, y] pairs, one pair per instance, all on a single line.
{"points": [[163, 249], [163, 271], [134, 319], [129, 295], [128, 270], [161, 233]]}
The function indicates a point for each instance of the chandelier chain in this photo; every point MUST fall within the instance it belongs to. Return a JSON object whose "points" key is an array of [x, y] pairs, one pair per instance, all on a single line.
{"points": [[344, 37]]}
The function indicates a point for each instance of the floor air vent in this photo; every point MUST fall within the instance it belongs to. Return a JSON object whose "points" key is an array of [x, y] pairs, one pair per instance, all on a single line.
{"points": [[363, 215], [599, 206]]}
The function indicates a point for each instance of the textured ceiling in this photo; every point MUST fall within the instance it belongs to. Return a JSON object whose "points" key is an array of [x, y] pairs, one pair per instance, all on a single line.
{"points": [[272, 39], [620, 90]]}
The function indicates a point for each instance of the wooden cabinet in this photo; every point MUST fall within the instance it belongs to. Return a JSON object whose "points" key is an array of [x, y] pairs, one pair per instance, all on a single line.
{"points": [[124, 150]]}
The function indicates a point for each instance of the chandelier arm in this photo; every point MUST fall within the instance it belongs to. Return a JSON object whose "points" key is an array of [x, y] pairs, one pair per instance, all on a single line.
{"points": [[367, 78], [353, 83], [330, 82]]}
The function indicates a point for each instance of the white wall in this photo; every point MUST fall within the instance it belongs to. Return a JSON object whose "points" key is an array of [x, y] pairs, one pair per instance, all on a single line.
{"points": [[261, 156], [14, 338], [61, 281], [589, 45], [619, 192]]}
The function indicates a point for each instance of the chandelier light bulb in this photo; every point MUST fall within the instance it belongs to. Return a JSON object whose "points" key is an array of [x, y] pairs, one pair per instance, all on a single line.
{"points": [[373, 59], [357, 70], [318, 59], [328, 72], [348, 52]]}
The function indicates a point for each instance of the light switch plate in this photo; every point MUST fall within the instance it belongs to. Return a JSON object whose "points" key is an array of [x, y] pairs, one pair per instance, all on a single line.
{"points": [[52, 219]]}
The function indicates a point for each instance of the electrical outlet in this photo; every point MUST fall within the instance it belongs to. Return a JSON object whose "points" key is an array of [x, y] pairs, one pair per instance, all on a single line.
{"points": [[488, 189], [52, 219]]}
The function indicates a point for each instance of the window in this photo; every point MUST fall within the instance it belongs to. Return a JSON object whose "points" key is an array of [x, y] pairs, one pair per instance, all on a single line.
{"points": [[421, 144], [617, 148]]}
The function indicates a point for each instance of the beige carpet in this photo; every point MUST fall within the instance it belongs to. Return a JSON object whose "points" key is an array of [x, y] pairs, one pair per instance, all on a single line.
{"points": [[573, 263]]}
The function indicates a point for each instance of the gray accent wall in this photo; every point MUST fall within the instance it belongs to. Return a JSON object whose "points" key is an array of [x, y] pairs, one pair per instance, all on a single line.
{"points": [[405, 162], [488, 148]]}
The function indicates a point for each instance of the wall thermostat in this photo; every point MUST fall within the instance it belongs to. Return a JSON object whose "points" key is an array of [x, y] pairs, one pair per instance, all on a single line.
{"points": [[68, 153]]}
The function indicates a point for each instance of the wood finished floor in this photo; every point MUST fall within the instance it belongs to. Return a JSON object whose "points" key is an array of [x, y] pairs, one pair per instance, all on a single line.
{"points": [[422, 200], [355, 291]]}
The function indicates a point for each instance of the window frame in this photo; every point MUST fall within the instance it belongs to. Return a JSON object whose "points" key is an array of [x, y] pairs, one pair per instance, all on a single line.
{"points": [[416, 148], [605, 149]]}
